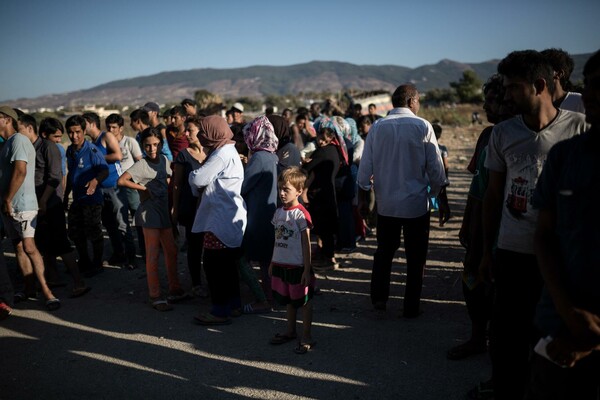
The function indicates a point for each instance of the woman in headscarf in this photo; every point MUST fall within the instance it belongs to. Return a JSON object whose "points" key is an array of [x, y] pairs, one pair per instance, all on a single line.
{"points": [[287, 152], [260, 193], [221, 216]]}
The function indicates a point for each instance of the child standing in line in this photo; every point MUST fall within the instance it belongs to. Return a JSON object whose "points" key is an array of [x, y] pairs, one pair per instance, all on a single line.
{"points": [[292, 279], [150, 177]]}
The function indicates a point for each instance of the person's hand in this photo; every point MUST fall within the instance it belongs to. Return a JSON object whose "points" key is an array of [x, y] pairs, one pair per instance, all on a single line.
{"points": [[66, 203], [174, 215], [145, 194], [443, 207], [565, 353], [583, 325], [270, 269], [42, 208], [304, 197], [91, 187], [6, 208]]}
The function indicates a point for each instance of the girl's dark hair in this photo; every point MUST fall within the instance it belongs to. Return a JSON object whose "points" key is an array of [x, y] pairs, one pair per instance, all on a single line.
{"points": [[151, 132], [327, 132]]}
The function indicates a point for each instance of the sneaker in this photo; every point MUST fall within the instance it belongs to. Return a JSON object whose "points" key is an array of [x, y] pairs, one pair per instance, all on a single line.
{"points": [[5, 310]]}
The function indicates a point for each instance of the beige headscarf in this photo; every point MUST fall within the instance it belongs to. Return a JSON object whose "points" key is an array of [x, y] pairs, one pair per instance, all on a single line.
{"points": [[214, 132]]}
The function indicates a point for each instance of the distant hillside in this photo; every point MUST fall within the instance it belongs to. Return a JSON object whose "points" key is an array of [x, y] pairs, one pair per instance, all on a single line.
{"points": [[259, 81]]}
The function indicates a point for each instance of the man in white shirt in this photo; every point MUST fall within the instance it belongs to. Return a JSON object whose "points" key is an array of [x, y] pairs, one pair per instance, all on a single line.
{"points": [[401, 159]]}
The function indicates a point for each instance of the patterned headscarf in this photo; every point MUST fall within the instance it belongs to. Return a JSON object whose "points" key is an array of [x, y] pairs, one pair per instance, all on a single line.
{"points": [[354, 137], [339, 126], [260, 135], [214, 132]]}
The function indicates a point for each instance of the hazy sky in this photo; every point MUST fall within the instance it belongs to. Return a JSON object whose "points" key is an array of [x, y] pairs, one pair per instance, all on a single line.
{"points": [[65, 45]]}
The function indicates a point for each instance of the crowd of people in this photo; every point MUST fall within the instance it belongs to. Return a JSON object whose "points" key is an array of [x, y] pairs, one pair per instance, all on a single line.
{"points": [[250, 195]]}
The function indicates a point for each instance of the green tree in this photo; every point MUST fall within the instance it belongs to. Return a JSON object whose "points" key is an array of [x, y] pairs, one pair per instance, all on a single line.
{"points": [[468, 88]]}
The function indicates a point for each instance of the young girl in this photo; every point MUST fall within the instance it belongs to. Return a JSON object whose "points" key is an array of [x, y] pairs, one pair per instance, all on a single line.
{"points": [[221, 216], [150, 177], [185, 204], [292, 279]]}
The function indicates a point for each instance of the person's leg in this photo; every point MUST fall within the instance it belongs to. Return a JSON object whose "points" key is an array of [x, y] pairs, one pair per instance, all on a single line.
{"points": [[6, 288], [518, 287], [26, 268], [111, 219], [38, 265], [77, 234], [248, 276], [152, 255], [194, 255], [169, 247], [291, 314], [416, 241], [388, 241], [126, 231], [71, 263], [92, 216], [307, 317], [220, 267]]}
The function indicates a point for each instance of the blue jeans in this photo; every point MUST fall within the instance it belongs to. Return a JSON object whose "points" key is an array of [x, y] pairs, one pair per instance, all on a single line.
{"points": [[117, 227]]}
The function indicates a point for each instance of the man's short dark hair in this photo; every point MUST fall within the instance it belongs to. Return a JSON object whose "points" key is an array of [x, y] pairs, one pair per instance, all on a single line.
{"points": [[403, 94], [188, 102], [529, 65], [92, 117], [76, 120], [29, 120], [560, 60], [114, 119], [494, 84], [178, 110], [140, 115], [50, 125]]}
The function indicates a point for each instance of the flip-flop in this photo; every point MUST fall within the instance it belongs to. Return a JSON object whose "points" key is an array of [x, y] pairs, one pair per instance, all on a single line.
{"points": [[248, 309], [207, 319], [304, 348], [176, 297], [161, 305], [80, 291], [52, 304], [281, 338]]}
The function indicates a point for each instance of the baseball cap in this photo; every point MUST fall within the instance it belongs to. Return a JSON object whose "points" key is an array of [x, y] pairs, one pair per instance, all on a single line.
{"points": [[238, 106], [10, 112], [150, 106]]}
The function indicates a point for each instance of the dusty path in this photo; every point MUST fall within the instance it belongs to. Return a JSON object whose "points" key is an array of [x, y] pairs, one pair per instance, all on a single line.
{"points": [[110, 344]]}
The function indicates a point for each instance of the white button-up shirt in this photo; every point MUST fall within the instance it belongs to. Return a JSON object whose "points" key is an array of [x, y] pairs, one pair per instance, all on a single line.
{"points": [[402, 157]]}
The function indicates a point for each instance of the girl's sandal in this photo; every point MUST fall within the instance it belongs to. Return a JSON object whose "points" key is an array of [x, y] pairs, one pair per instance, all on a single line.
{"points": [[161, 305]]}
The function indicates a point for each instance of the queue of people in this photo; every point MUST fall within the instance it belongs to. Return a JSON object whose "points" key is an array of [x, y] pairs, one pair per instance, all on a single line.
{"points": [[248, 196]]}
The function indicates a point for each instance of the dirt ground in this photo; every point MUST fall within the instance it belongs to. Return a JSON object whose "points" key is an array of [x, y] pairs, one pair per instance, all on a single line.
{"points": [[111, 344]]}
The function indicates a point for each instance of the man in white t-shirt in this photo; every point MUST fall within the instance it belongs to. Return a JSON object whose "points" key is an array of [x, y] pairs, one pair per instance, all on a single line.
{"points": [[516, 153]]}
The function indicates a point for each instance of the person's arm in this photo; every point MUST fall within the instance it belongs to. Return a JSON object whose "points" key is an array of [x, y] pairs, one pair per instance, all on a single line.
{"points": [[583, 325], [305, 238], [113, 149], [207, 173], [365, 177], [67, 192], [16, 180], [491, 215], [134, 149]]}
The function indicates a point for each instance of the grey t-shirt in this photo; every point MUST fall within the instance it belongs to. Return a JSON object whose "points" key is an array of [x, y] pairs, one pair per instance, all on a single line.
{"points": [[19, 148], [521, 153], [153, 212]]}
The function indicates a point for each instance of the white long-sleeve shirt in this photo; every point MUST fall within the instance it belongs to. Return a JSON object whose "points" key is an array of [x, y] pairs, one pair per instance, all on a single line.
{"points": [[222, 210], [401, 154]]}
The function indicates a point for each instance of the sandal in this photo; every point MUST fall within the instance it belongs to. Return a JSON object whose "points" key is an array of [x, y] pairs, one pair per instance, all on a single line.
{"points": [[178, 296], [304, 348], [161, 305], [208, 319], [281, 338], [248, 309], [52, 304]]}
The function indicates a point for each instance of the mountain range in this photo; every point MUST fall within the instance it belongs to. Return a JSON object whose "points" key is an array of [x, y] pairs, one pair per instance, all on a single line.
{"points": [[260, 81]]}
